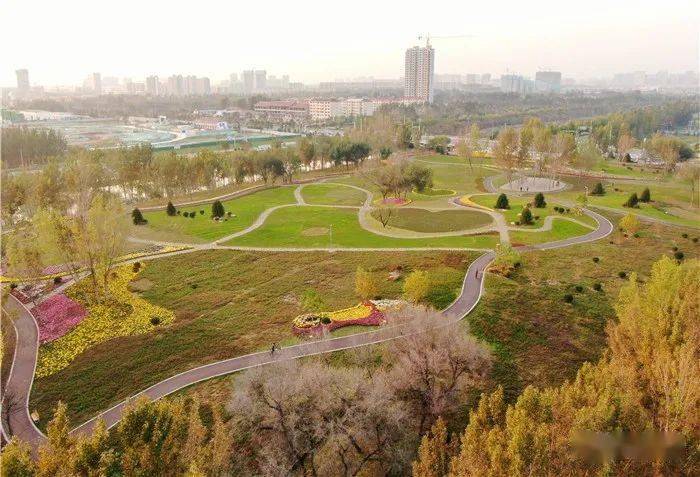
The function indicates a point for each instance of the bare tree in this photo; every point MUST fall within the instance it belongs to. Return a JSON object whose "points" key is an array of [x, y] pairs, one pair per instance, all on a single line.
{"points": [[433, 369], [384, 214]]}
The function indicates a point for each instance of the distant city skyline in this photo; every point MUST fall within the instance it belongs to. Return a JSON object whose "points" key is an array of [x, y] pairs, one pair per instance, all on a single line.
{"points": [[599, 40]]}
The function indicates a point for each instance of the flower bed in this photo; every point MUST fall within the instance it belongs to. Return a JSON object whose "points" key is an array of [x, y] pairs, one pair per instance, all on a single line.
{"points": [[126, 314], [365, 314], [56, 316]]}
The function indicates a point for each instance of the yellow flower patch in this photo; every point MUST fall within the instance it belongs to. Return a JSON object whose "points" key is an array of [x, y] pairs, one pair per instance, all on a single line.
{"points": [[128, 314]]}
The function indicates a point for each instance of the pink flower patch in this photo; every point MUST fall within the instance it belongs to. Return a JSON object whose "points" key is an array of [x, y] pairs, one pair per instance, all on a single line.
{"points": [[56, 316], [394, 201]]}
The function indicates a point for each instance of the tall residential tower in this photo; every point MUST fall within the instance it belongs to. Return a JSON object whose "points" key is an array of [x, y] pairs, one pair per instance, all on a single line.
{"points": [[418, 73], [22, 82]]}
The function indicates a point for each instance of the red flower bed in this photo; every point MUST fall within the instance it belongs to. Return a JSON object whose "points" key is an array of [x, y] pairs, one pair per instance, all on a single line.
{"points": [[375, 318], [56, 316], [395, 201]]}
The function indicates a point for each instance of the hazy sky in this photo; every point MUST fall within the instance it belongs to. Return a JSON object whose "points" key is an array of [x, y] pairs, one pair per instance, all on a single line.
{"points": [[60, 42]]}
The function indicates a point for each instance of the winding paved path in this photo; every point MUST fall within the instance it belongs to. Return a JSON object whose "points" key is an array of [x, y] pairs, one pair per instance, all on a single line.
{"points": [[21, 375]]}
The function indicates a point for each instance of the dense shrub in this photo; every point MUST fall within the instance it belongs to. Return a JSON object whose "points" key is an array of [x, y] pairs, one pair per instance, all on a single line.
{"points": [[598, 189], [622, 274], [526, 216], [57, 280], [155, 320], [539, 201], [136, 267], [201, 212], [684, 235], [578, 288], [502, 202], [695, 240], [633, 201], [170, 209], [137, 217], [596, 259], [569, 298], [217, 209], [646, 195], [598, 286], [679, 255]]}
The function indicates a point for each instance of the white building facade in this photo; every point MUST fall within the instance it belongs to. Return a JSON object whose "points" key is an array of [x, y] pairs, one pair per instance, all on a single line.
{"points": [[419, 73]]}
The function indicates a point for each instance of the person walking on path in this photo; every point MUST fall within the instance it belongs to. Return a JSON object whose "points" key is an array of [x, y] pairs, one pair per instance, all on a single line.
{"points": [[272, 350]]}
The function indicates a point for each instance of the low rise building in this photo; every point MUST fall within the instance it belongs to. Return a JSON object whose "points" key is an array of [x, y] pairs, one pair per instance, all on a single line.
{"points": [[288, 109]]}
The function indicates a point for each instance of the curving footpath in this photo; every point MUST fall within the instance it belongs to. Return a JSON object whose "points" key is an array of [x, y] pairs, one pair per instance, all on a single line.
{"points": [[18, 421]]}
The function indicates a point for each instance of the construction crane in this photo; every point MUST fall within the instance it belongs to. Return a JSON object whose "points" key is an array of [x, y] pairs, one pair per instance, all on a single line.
{"points": [[428, 37]]}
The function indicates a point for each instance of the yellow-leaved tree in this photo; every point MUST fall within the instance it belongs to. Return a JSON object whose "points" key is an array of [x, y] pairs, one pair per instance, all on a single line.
{"points": [[366, 284], [634, 412], [416, 286], [629, 223]]}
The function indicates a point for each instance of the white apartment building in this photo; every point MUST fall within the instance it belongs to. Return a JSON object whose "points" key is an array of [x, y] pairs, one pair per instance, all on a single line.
{"points": [[419, 73], [322, 109]]}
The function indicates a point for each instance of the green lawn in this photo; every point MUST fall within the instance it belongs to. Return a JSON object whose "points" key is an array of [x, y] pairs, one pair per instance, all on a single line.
{"points": [[311, 226], [517, 204], [422, 220], [561, 229], [245, 209], [228, 303], [667, 203], [331, 194]]}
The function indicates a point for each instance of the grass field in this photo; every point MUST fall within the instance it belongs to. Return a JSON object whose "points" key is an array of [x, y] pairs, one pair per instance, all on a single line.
{"points": [[311, 227], [541, 340], [206, 195], [517, 204], [561, 229], [422, 220], [245, 209], [667, 203], [330, 194], [228, 303]]}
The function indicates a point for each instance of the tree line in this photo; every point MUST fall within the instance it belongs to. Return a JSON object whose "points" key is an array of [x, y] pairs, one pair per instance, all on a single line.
{"points": [[25, 146]]}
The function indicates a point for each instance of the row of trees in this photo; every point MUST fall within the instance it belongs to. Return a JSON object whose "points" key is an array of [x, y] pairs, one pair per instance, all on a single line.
{"points": [[634, 412], [551, 148], [137, 173], [536, 143], [24, 146], [169, 437], [399, 178]]}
